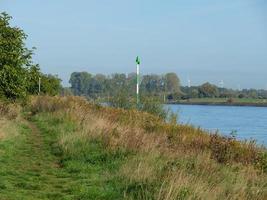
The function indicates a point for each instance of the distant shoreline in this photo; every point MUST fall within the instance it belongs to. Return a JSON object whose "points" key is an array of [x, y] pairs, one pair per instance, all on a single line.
{"points": [[219, 104]]}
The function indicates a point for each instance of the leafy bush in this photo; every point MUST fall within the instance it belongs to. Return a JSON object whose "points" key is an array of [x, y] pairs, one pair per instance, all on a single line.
{"points": [[147, 104], [153, 106]]}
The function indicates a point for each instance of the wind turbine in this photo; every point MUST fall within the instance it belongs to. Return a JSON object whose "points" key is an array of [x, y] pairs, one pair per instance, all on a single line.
{"points": [[188, 82], [239, 87], [221, 83]]}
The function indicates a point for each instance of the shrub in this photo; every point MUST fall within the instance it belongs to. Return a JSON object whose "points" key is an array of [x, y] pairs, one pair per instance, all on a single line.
{"points": [[147, 104], [261, 161], [154, 106], [221, 148]]}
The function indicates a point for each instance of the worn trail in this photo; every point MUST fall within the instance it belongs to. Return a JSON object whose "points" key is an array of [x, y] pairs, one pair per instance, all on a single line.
{"points": [[28, 168]]}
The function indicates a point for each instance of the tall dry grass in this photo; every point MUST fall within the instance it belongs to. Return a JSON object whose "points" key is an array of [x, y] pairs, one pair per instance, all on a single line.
{"points": [[9, 129], [9, 110], [169, 161]]}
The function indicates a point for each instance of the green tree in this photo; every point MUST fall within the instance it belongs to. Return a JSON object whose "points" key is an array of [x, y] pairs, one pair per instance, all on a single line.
{"points": [[50, 85], [18, 75], [152, 84], [117, 85], [97, 86], [33, 76], [208, 90], [15, 58], [80, 82], [172, 83], [194, 93], [12, 83]]}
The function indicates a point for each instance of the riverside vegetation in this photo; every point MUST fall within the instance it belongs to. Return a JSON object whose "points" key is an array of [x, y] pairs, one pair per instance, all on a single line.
{"points": [[69, 148]]}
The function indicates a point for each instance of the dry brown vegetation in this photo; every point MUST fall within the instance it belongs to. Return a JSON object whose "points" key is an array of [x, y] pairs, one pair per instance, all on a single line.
{"points": [[169, 161], [8, 129], [8, 113], [9, 110]]}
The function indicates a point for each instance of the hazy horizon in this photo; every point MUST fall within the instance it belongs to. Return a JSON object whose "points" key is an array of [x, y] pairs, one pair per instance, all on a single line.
{"points": [[208, 41]]}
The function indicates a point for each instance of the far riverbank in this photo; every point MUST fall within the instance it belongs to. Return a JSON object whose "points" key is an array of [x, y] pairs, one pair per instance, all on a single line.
{"points": [[222, 102]]}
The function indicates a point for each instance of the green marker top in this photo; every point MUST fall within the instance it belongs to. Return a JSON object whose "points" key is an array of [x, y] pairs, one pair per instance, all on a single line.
{"points": [[137, 60]]}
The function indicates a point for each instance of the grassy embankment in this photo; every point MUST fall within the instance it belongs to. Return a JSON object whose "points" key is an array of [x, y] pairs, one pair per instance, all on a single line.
{"points": [[225, 101], [71, 149]]}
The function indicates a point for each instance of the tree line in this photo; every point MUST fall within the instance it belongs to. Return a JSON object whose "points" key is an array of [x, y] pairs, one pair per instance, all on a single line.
{"points": [[165, 87], [208, 90], [105, 86], [19, 76]]}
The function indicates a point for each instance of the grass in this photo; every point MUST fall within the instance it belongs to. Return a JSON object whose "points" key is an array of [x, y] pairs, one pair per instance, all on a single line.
{"points": [[85, 161], [72, 149], [28, 170], [33, 165]]}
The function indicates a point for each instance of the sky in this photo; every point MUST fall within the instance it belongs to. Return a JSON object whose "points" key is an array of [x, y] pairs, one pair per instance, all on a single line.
{"points": [[207, 40]]}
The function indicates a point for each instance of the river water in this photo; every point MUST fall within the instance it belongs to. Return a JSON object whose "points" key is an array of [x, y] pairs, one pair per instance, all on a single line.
{"points": [[246, 122]]}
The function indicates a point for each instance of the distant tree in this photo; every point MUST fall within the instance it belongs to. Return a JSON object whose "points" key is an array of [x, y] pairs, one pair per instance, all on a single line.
{"points": [[208, 90], [172, 83], [33, 76], [194, 93], [131, 83], [241, 96], [132, 76], [80, 82], [152, 84], [118, 84], [99, 84], [118, 80], [253, 93]]}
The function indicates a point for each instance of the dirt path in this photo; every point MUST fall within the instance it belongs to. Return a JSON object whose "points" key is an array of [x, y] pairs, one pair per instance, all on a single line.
{"points": [[28, 169]]}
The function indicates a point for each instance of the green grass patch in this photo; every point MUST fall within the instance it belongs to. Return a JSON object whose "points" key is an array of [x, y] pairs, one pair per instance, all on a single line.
{"points": [[35, 166]]}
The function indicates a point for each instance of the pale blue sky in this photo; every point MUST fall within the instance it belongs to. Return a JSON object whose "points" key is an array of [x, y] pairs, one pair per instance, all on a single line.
{"points": [[205, 40]]}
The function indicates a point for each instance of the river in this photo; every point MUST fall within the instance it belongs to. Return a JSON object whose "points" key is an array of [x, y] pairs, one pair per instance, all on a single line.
{"points": [[246, 122]]}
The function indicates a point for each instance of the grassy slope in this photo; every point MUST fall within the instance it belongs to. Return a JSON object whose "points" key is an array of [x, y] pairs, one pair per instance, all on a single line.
{"points": [[80, 152], [32, 164], [28, 169]]}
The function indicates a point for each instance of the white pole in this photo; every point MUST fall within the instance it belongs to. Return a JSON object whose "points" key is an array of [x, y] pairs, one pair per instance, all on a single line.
{"points": [[39, 90], [189, 83], [137, 82]]}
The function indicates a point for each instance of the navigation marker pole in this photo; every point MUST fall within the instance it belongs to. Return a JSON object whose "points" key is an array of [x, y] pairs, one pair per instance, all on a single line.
{"points": [[137, 80]]}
